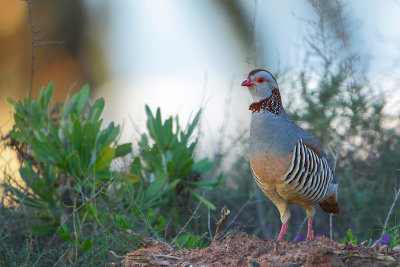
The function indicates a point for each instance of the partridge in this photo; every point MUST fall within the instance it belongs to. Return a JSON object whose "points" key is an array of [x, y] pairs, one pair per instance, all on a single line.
{"points": [[287, 163]]}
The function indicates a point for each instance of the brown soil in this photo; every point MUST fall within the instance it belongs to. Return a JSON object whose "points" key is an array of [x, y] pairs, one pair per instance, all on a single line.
{"points": [[241, 250]]}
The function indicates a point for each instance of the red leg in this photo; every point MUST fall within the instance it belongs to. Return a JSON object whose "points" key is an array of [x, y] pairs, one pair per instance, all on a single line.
{"points": [[282, 233], [309, 231]]}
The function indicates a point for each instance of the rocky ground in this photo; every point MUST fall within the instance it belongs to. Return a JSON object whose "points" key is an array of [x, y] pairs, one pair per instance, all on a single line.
{"points": [[241, 250]]}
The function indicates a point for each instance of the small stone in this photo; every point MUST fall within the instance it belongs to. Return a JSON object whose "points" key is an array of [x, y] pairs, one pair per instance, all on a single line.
{"points": [[397, 248]]}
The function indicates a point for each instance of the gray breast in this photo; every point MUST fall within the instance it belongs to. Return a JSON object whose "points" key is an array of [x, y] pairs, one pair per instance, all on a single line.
{"points": [[272, 133]]}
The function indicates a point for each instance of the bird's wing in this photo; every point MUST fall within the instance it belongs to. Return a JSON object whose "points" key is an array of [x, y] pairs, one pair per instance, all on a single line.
{"points": [[313, 144]]}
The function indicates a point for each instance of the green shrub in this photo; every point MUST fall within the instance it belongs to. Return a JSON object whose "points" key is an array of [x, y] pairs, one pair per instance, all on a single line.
{"points": [[65, 156], [70, 191], [166, 167], [349, 238]]}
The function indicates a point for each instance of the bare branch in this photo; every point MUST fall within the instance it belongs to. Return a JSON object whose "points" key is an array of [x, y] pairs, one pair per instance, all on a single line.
{"points": [[397, 193], [190, 219], [37, 41], [209, 223]]}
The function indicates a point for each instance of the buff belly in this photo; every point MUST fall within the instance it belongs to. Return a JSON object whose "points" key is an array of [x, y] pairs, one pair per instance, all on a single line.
{"points": [[269, 172]]}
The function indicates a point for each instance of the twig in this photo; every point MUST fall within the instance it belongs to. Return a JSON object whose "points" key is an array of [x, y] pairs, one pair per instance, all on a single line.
{"points": [[330, 225], [248, 202], [115, 255], [397, 193], [224, 217], [29, 251], [148, 242], [37, 41], [148, 223], [33, 44], [209, 223], [63, 255], [190, 219], [238, 213], [335, 157]]}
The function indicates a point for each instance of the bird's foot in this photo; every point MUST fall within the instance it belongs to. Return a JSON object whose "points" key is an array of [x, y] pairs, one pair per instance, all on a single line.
{"points": [[282, 233]]}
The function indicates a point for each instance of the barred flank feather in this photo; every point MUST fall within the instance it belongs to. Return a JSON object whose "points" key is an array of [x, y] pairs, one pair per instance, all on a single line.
{"points": [[309, 175]]}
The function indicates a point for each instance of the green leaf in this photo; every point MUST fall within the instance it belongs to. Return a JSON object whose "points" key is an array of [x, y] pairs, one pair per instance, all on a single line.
{"points": [[349, 238], [54, 134], [160, 225], [123, 150], [132, 178], [86, 245], [44, 229], [168, 188], [70, 165], [76, 136], [11, 101], [203, 200], [181, 156], [187, 166], [22, 198], [202, 165], [136, 166], [104, 160], [45, 151], [17, 136], [96, 110], [171, 168], [108, 135], [82, 98], [90, 208], [27, 173], [209, 185], [191, 127], [44, 97], [152, 126], [64, 233], [156, 186], [122, 222]]}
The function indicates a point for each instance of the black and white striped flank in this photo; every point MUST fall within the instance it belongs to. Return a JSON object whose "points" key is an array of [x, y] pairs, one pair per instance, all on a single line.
{"points": [[309, 174]]}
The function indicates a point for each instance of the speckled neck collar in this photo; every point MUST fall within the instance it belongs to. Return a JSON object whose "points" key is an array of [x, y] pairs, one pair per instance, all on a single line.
{"points": [[272, 104]]}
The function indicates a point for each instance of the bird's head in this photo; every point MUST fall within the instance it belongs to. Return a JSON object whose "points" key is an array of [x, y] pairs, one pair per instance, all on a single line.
{"points": [[261, 83]]}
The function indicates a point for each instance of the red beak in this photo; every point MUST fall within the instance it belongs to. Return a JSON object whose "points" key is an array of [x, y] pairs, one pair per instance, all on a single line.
{"points": [[248, 83]]}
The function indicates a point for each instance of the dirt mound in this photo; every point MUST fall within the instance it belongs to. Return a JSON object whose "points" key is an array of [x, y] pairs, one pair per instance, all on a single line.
{"points": [[241, 250]]}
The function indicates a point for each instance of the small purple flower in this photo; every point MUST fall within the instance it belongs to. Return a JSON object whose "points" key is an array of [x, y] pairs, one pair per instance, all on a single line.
{"points": [[385, 240], [318, 235], [298, 238]]}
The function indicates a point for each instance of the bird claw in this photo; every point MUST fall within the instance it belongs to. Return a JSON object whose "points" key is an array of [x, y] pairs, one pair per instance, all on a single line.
{"points": [[282, 233]]}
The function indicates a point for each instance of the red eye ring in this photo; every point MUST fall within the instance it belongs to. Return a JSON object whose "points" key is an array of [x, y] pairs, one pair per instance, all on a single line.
{"points": [[260, 80]]}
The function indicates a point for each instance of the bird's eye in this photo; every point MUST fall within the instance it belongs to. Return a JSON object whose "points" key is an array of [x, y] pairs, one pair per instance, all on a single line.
{"points": [[260, 80]]}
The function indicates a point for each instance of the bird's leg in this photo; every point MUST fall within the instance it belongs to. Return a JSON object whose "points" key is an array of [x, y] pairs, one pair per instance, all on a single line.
{"points": [[282, 233], [310, 234], [284, 211], [310, 212]]}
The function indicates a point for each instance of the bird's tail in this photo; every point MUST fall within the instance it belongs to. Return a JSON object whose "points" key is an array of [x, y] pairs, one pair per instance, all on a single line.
{"points": [[330, 204]]}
